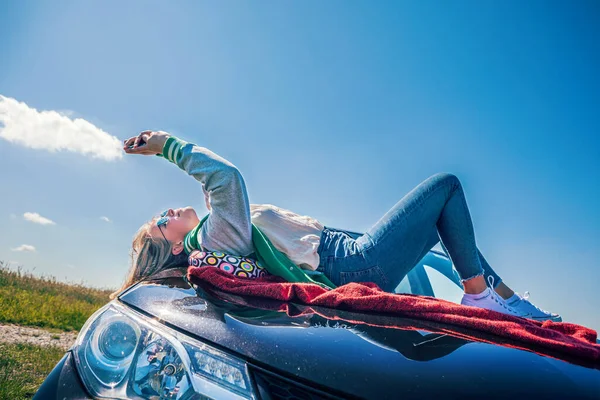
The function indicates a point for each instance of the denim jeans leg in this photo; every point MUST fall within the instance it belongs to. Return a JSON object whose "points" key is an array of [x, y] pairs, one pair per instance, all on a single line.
{"points": [[398, 240], [489, 272], [434, 210], [487, 269], [342, 260]]}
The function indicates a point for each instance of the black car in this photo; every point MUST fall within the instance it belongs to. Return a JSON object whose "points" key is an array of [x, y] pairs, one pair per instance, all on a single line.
{"points": [[167, 339]]}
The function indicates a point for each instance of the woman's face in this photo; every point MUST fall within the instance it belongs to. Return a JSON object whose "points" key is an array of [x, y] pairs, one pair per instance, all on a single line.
{"points": [[179, 222]]}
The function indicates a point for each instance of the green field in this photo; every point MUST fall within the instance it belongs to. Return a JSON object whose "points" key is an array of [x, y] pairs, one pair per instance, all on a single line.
{"points": [[23, 367], [45, 303]]}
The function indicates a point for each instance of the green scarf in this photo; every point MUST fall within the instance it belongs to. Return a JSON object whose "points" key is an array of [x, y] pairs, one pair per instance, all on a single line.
{"points": [[274, 261]]}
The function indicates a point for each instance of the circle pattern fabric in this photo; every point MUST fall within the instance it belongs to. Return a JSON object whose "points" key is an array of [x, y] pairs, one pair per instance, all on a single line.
{"points": [[242, 267]]}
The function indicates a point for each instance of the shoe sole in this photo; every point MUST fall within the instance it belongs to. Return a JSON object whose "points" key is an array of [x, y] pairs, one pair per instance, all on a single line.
{"points": [[553, 319], [483, 308]]}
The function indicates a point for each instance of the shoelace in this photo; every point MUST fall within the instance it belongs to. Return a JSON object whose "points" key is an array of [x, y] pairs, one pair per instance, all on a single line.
{"points": [[497, 298], [525, 298]]}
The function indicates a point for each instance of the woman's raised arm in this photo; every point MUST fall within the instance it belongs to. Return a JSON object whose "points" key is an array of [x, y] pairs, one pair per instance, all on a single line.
{"points": [[228, 228]]}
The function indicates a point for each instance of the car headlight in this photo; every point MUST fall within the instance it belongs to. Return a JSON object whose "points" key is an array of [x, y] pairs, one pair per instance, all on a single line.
{"points": [[121, 354]]}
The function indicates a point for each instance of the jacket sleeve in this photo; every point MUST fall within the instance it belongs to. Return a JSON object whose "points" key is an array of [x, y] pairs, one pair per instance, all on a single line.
{"points": [[228, 228]]}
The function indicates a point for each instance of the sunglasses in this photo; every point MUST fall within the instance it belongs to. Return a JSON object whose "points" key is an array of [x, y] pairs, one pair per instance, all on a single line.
{"points": [[162, 221]]}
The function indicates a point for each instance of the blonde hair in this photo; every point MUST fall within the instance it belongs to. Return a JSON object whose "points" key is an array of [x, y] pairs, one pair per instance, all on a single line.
{"points": [[149, 256]]}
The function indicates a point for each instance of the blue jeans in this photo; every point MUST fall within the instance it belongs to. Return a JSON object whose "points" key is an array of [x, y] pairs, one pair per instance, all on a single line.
{"points": [[435, 211]]}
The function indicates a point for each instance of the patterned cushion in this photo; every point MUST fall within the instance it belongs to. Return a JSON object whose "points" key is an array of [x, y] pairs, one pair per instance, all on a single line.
{"points": [[242, 267]]}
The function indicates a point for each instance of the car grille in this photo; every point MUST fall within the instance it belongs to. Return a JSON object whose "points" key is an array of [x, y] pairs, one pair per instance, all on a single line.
{"points": [[274, 387]]}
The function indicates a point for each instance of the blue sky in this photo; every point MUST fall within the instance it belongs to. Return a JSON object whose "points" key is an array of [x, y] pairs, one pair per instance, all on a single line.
{"points": [[331, 109]]}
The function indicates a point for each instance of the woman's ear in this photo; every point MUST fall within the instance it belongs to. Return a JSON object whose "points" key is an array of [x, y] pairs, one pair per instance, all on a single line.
{"points": [[177, 248]]}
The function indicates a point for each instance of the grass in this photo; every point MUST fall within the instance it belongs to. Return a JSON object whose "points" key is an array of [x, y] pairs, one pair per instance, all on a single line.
{"points": [[44, 302], [23, 368]]}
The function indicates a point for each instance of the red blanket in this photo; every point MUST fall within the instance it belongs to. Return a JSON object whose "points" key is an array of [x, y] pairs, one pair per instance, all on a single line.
{"points": [[559, 337]]}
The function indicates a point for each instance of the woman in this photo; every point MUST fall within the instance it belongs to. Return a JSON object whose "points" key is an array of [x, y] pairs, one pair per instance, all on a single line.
{"points": [[434, 211]]}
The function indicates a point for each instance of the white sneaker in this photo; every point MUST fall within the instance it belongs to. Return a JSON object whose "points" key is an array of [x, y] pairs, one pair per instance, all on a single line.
{"points": [[490, 300], [525, 309]]}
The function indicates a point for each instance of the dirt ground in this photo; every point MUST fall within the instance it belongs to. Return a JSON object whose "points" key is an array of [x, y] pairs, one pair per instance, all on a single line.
{"points": [[23, 334]]}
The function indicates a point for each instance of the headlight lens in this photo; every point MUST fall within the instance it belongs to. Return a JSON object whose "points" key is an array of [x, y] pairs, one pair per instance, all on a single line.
{"points": [[159, 371], [122, 354], [118, 340]]}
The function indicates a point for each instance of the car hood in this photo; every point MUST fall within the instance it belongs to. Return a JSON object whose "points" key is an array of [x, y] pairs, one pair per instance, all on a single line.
{"points": [[355, 354]]}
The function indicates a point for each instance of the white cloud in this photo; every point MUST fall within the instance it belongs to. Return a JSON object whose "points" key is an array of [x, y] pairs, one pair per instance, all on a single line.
{"points": [[66, 113], [55, 131], [38, 219], [24, 247], [105, 219]]}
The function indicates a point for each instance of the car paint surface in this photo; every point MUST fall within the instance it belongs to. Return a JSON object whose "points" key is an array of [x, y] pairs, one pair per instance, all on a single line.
{"points": [[343, 352]]}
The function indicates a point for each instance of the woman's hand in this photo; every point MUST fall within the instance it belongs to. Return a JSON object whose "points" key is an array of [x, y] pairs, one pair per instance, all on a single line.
{"points": [[147, 143]]}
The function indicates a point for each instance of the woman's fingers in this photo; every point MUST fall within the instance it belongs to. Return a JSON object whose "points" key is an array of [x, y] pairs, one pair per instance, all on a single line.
{"points": [[142, 150], [129, 142], [141, 138], [137, 144], [135, 139]]}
